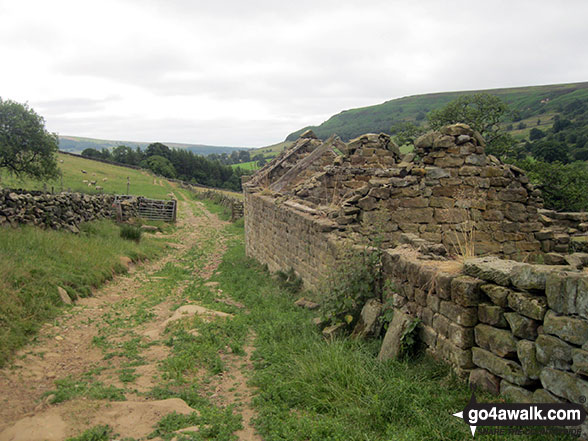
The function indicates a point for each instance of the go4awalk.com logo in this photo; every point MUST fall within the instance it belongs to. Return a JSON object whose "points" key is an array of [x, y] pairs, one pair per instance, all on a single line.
{"points": [[521, 414]]}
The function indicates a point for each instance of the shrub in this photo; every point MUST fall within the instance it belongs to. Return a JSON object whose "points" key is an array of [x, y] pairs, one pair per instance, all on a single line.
{"points": [[355, 279]]}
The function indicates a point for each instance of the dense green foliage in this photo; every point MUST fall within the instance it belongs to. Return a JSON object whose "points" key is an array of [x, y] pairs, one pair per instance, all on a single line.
{"points": [[176, 163], [26, 147], [563, 185], [482, 112]]}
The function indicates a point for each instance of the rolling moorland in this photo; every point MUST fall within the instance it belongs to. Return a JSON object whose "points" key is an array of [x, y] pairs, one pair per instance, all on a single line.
{"points": [[527, 103], [76, 144]]}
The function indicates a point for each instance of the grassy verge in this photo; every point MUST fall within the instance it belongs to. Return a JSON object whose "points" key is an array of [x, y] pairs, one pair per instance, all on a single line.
{"points": [[34, 262], [309, 389]]}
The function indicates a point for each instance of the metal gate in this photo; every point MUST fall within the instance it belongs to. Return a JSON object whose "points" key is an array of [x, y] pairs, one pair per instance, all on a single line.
{"points": [[155, 209], [126, 206]]}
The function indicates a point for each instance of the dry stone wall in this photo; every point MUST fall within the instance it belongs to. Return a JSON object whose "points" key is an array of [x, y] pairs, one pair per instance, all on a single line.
{"points": [[60, 211]]}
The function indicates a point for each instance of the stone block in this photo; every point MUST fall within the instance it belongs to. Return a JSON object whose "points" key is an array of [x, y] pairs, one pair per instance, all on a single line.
{"points": [[498, 294], [528, 305], [516, 394], [465, 291], [451, 215], [580, 361], [543, 396], [367, 203], [564, 384], [527, 354], [449, 161], [507, 369], [570, 329], [441, 202], [392, 340], [461, 358], [427, 335], [499, 341], [527, 277], [461, 315], [522, 327], [492, 315], [561, 290], [492, 269], [553, 352], [484, 380], [369, 324]]}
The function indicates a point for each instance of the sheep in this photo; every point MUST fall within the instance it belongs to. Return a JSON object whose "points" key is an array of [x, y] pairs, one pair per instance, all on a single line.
{"points": [[104, 179], [85, 181]]}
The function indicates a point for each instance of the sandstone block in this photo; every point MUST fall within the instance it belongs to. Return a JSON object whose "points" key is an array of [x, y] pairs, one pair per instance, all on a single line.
{"points": [[392, 340], [465, 291], [499, 341], [461, 358], [527, 354], [461, 315], [553, 352], [528, 305], [491, 268], [570, 329], [498, 294], [482, 379], [564, 384], [492, 315], [580, 361], [514, 393], [369, 324], [522, 327], [507, 369]]}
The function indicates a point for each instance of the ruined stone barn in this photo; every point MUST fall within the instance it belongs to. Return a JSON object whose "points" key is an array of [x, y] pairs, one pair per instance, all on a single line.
{"points": [[457, 230]]}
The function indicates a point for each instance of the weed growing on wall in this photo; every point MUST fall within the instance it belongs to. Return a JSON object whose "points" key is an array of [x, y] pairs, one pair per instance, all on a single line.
{"points": [[354, 280]]}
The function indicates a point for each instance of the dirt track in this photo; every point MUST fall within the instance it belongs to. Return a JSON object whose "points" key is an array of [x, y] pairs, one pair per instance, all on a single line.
{"points": [[130, 313]]}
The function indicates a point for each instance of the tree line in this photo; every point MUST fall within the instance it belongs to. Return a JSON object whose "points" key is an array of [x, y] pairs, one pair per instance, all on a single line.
{"points": [[174, 163]]}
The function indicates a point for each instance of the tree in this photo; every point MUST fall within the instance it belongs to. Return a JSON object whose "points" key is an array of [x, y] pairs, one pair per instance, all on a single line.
{"points": [[160, 165], [406, 132], [482, 112], [26, 147], [536, 134]]}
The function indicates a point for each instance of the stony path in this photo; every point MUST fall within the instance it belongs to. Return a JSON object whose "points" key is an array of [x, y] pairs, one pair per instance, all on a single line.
{"points": [[115, 342]]}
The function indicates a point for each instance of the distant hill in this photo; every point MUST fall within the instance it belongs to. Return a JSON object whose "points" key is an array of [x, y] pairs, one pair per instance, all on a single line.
{"points": [[529, 103], [76, 144]]}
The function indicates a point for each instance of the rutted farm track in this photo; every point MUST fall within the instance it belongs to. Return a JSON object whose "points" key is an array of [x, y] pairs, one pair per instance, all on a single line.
{"points": [[123, 357]]}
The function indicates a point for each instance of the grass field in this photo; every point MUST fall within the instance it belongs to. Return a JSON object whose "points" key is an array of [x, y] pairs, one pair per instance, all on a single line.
{"points": [[142, 183], [34, 262], [251, 165], [271, 151]]}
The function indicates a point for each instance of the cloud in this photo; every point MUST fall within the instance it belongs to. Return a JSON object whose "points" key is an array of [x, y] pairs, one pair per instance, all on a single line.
{"points": [[248, 73]]}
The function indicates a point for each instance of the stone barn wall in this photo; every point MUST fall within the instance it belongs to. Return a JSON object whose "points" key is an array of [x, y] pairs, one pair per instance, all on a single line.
{"points": [[283, 237], [513, 328]]}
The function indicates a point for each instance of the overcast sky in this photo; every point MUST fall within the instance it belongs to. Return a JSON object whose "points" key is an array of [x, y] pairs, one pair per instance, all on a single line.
{"points": [[247, 73]]}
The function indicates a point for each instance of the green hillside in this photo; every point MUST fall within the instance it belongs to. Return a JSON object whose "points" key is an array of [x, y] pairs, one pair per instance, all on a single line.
{"points": [[528, 103], [76, 144], [142, 183]]}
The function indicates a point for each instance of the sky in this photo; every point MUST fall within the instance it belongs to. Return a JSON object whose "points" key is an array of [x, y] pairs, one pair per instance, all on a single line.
{"points": [[248, 72]]}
